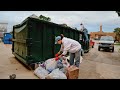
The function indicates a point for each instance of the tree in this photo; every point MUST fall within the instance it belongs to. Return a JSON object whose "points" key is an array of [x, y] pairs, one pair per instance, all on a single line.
{"points": [[45, 18], [65, 25], [117, 31]]}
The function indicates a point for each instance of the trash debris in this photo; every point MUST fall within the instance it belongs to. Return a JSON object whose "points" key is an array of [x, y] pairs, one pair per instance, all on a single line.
{"points": [[50, 64], [62, 64], [81, 58], [13, 76], [60, 69], [65, 61], [42, 64], [59, 64], [64, 70], [41, 72], [56, 74]]}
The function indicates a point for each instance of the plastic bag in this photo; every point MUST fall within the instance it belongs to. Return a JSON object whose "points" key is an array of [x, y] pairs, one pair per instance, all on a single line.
{"points": [[65, 62], [57, 74], [50, 64], [37, 64], [64, 70], [41, 72], [59, 64], [81, 58], [42, 64]]}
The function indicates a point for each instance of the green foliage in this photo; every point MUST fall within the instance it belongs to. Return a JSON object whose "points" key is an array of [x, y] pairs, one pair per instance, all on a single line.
{"points": [[45, 18], [117, 31], [117, 44]]}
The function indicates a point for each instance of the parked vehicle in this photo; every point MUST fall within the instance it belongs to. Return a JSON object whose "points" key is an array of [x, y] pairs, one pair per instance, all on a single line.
{"points": [[106, 42], [92, 43]]}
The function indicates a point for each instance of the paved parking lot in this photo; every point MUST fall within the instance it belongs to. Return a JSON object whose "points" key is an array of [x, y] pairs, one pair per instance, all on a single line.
{"points": [[95, 65], [9, 65], [100, 64]]}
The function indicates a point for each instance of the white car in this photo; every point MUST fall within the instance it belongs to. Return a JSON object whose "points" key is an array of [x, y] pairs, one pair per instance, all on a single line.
{"points": [[106, 42]]}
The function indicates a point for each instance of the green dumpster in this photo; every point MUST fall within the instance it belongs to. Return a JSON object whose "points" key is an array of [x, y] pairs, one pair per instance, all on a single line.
{"points": [[34, 40]]}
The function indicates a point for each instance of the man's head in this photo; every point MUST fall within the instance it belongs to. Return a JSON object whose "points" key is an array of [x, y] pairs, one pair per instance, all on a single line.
{"points": [[58, 40]]}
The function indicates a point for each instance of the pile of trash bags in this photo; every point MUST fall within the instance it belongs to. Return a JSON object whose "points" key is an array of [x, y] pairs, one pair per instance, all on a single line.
{"points": [[52, 69]]}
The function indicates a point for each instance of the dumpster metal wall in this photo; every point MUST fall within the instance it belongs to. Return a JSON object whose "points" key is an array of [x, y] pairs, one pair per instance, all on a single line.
{"points": [[34, 39]]}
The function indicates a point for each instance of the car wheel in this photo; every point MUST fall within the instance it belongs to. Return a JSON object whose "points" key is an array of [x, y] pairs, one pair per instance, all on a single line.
{"points": [[92, 46], [113, 50], [98, 48]]}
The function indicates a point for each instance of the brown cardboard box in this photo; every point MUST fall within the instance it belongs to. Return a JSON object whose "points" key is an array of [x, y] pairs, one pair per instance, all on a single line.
{"points": [[72, 72], [47, 77]]}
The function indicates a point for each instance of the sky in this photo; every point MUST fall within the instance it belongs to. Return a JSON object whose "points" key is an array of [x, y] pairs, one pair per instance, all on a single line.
{"points": [[91, 19]]}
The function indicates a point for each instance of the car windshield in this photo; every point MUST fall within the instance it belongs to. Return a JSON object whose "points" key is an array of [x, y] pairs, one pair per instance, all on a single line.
{"points": [[107, 38]]}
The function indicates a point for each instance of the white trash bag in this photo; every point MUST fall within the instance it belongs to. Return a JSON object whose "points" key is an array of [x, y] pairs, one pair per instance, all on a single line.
{"points": [[41, 72], [57, 74], [50, 64], [81, 58], [65, 62]]}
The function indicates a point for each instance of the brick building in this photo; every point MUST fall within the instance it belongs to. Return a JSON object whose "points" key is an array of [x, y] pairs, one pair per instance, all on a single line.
{"points": [[97, 35]]}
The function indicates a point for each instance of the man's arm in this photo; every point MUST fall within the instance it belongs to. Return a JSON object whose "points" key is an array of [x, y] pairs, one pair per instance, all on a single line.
{"points": [[66, 48], [61, 50]]}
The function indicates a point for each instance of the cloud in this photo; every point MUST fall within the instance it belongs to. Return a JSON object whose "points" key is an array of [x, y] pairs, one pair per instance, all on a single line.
{"points": [[90, 19]]}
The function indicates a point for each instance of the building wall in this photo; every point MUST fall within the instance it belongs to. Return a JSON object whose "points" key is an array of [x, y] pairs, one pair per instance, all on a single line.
{"points": [[1, 34], [100, 33]]}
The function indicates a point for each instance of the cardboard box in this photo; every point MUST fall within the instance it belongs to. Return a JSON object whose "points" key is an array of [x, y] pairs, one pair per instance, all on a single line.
{"points": [[72, 72], [47, 77]]}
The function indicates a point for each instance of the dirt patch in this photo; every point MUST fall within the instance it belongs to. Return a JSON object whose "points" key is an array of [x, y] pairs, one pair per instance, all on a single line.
{"points": [[13, 60], [10, 65]]}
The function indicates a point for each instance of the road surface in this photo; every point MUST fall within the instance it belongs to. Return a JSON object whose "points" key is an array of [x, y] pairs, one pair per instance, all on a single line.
{"points": [[100, 64], [95, 65], [9, 65]]}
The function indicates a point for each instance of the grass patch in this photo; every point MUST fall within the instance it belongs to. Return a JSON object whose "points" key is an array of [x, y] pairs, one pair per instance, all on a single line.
{"points": [[119, 50], [117, 44]]}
